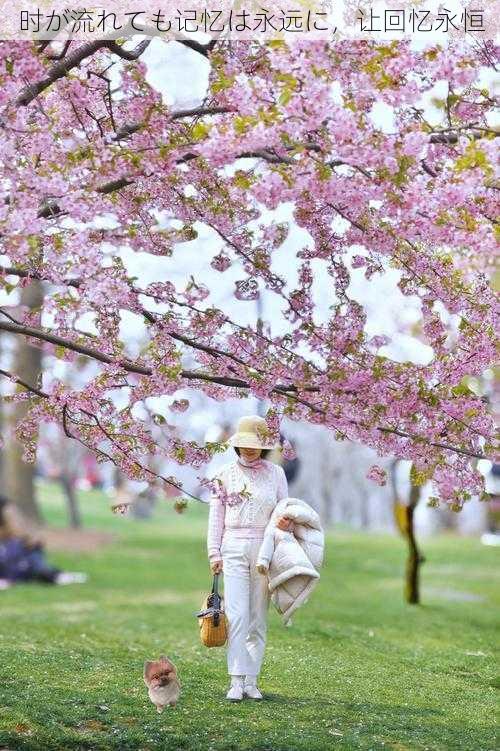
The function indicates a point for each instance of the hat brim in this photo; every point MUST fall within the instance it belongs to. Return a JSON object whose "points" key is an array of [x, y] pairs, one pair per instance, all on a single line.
{"points": [[249, 441]]}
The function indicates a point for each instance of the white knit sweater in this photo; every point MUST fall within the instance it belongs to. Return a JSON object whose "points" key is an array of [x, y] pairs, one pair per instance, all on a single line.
{"points": [[266, 482]]}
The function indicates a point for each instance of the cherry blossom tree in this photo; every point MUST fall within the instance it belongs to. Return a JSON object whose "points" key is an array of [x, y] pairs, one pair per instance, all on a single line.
{"points": [[280, 124]]}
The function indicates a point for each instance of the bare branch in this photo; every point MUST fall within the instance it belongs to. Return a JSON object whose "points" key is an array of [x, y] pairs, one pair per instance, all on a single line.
{"points": [[25, 274], [59, 341], [119, 50], [22, 383], [202, 49], [451, 137], [428, 169]]}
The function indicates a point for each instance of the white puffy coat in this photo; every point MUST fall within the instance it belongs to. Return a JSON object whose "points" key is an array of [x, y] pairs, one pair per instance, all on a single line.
{"points": [[292, 559]]}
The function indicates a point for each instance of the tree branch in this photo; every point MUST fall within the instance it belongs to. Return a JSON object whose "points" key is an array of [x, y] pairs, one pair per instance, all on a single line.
{"points": [[128, 365], [50, 209], [131, 367], [76, 283], [202, 49], [119, 50], [129, 128], [100, 452], [73, 60], [22, 383], [59, 341]]}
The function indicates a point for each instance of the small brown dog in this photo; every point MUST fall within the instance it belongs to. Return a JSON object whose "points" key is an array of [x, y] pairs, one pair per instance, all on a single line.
{"points": [[160, 676]]}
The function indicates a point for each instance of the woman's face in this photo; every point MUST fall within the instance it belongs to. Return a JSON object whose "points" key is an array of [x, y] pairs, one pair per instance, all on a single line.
{"points": [[249, 455]]}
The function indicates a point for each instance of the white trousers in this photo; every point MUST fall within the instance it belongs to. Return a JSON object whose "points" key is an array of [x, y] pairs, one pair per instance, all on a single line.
{"points": [[246, 597]]}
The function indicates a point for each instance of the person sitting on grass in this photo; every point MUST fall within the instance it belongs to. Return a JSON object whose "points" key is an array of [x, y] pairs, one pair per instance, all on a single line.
{"points": [[22, 556]]}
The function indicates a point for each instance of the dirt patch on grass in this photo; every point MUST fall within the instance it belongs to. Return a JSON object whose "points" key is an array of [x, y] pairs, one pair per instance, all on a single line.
{"points": [[76, 540], [91, 726]]}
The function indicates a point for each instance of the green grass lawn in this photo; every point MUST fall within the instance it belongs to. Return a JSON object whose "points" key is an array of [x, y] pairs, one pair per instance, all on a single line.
{"points": [[358, 669]]}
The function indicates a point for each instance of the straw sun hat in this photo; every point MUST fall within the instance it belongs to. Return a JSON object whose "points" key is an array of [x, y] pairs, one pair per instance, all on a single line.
{"points": [[251, 433]]}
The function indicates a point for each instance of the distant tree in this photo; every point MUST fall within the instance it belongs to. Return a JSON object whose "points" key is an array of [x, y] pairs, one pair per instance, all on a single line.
{"points": [[404, 511], [63, 462]]}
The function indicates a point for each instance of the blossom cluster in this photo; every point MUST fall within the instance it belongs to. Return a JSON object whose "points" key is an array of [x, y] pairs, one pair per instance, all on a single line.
{"points": [[280, 125]]}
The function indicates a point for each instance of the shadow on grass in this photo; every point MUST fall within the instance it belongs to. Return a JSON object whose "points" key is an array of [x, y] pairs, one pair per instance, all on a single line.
{"points": [[355, 709]]}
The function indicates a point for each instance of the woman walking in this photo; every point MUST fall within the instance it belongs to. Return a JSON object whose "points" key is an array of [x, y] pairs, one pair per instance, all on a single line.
{"points": [[235, 532]]}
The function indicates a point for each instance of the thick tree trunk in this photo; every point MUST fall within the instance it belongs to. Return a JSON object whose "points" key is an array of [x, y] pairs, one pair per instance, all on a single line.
{"points": [[412, 583], [2, 428], [18, 474]]}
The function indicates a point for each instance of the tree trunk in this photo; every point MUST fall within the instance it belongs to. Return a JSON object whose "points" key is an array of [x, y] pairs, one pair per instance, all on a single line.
{"points": [[412, 584], [403, 514], [2, 428], [74, 516], [18, 474]]}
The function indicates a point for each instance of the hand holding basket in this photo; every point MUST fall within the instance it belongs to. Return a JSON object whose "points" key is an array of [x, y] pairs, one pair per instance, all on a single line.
{"points": [[212, 618]]}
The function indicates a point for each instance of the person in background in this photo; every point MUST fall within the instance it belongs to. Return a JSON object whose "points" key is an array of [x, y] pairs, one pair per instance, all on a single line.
{"points": [[22, 555], [291, 467]]}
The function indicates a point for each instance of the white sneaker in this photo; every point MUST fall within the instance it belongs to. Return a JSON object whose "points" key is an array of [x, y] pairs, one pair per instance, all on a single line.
{"points": [[235, 692], [251, 691]]}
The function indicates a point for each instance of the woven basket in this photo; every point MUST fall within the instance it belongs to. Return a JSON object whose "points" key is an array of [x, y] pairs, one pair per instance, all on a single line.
{"points": [[212, 619]]}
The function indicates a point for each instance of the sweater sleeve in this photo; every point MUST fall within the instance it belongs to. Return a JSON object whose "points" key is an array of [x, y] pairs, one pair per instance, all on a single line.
{"points": [[216, 514]]}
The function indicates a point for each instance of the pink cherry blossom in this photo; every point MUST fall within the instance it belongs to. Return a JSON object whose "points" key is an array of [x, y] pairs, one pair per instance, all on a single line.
{"points": [[269, 135], [377, 474]]}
